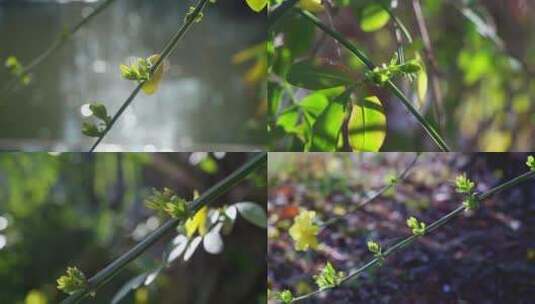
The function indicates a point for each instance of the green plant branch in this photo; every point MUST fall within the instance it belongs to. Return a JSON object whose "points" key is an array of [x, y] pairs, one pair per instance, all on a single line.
{"points": [[437, 138], [165, 53], [433, 226], [106, 274], [399, 178], [60, 41]]}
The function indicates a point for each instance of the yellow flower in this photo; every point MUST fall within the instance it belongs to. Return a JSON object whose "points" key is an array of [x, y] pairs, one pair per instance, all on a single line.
{"points": [[151, 85], [311, 5], [304, 231], [197, 222]]}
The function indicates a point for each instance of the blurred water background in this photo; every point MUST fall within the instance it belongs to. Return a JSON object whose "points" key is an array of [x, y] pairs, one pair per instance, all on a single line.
{"points": [[202, 104]]}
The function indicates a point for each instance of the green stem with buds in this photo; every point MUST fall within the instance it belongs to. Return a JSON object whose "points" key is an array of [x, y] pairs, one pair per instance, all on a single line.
{"points": [[437, 138], [165, 53], [106, 274], [433, 226], [60, 41]]}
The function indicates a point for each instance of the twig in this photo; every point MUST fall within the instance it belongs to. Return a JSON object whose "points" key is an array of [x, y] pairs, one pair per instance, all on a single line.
{"points": [[431, 62], [399, 178]]}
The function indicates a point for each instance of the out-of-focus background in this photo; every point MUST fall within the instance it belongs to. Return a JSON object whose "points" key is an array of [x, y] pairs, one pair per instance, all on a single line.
{"points": [[206, 102], [488, 257], [78, 209]]}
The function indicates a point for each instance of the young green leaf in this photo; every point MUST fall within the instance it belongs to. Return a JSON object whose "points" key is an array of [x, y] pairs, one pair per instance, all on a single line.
{"points": [[285, 296], [375, 248], [314, 75], [471, 202], [367, 125], [373, 17], [91, 130], [328, 277], [74, 280], [417, 228], [464, 184], [530, 162], [327, 127]]}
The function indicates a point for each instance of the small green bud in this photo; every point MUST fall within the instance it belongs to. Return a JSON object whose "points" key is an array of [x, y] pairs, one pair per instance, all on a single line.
{"points": [[471, 203], [138, 71], [13, 64], [531, 162], [392, 180], [374, 247], [99, 110], [189, 15], [73, 281], [463, 184], [167, 202], [285, 296], [91, 130], [417, 228], [328, 277]]}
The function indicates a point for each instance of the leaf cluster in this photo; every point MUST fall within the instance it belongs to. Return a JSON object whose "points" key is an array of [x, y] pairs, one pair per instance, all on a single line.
{"points": [[100, 112]]}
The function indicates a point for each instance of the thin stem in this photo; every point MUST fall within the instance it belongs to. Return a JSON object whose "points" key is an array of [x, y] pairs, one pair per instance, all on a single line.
{"points": [[164, 54], [431, 61], [399, 178], [432, 227], [437, 138], [106, 274], [59, 42]]}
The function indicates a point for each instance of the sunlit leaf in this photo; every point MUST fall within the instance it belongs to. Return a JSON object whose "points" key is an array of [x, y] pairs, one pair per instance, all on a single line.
{"points": [[253, 213], [373, 17], [421, 82], [327, 127], [257, 5], [314, 75], [367, 125]]}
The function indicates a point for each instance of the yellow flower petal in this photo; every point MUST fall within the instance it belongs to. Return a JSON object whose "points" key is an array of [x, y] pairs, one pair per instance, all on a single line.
{"points": [[151, 85], [304, 231], [197, 223]]}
